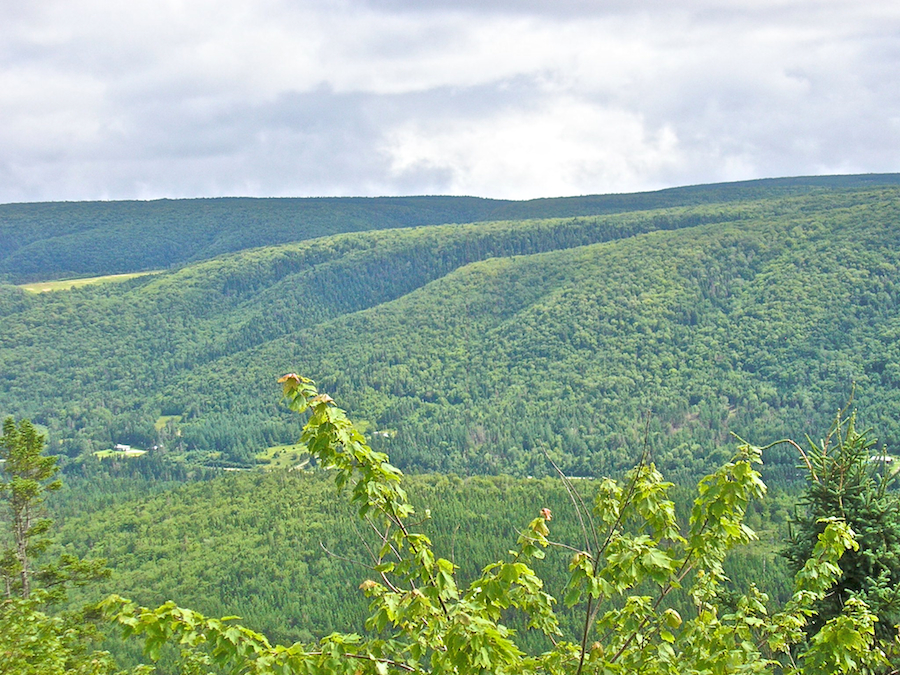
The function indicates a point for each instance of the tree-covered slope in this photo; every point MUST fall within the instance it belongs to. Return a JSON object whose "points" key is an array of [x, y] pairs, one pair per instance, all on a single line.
{"points": [[287, 554], [55, 240], [256, 543], [757, 327], [70, 239], [123, 350], [477, 344]]}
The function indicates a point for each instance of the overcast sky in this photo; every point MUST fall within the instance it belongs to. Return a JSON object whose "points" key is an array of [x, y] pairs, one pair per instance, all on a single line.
{"points": [[105, 99]]}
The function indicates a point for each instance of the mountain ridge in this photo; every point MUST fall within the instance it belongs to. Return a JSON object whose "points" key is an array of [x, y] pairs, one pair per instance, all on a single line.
{"points": [[43, 241]]}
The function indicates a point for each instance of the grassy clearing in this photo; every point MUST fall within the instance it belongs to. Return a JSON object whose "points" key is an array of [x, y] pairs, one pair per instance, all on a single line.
{"points": [[163, 420], [134, 452], [69, 284], [283, 457]]}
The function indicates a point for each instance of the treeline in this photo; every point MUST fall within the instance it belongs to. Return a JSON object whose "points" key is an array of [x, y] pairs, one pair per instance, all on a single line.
{"points": [[59, 240]]}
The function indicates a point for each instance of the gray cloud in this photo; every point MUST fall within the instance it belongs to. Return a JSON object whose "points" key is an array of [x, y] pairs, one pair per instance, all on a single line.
{"points": [[102, 99]]}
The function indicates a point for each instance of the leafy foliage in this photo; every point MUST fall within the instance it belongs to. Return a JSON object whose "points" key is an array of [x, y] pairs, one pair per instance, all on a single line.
{"points": [[279, 550], [425, 622], [34, 641]]}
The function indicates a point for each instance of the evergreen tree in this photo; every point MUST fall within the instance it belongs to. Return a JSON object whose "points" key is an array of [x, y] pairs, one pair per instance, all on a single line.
{"points": [[848, 479], [34, 639], [27, 475]]}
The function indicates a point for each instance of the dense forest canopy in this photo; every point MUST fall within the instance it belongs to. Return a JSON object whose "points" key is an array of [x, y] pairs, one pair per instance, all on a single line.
{"points": [[468, 348], [58, 240], [280, 550], [636, 593], [637, 554]]}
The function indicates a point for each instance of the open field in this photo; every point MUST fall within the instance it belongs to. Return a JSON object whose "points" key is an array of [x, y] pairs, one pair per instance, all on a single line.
{"points": [[69, 284], [134, 452], [283, 457]]}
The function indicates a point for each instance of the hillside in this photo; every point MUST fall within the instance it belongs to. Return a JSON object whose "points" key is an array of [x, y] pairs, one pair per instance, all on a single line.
{"points": [[44, 241], [472, 346], [287, 554]]}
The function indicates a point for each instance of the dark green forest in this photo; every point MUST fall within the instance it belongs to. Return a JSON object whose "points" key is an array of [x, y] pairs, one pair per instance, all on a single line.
{"points": [[74, 239]]}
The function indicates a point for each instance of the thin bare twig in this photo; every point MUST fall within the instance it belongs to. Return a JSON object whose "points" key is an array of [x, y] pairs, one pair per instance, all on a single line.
{"points": [[365, 544], [570, 548], [366, 657], [345, 558], [591, 611], [577, 502]]}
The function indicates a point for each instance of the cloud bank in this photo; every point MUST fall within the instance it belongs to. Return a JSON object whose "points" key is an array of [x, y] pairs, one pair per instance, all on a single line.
{"points": [[517, 99]]}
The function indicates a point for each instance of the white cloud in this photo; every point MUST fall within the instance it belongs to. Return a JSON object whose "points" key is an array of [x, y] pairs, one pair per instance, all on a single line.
{"points": [[498, 98], [564, 148]]}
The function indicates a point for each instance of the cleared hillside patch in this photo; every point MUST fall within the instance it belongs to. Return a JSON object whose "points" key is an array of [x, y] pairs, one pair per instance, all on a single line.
{"points": [[69, 284]]}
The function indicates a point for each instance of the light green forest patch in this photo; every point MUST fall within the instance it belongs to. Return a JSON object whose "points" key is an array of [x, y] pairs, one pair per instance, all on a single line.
{"points": [[163, 420]]}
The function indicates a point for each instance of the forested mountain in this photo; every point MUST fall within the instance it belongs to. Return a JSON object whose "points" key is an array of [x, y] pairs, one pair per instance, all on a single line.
{"points": [[470, 347], [58, 240], [479, 344]]}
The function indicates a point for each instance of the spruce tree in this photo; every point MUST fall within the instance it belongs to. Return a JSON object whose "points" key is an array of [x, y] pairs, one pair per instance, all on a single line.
{"points": [[849, 479], [27, 475]]}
